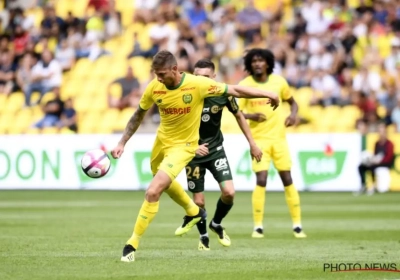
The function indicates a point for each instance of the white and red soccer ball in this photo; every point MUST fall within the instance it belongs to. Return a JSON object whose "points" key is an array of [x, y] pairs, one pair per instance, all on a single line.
{"points": [[95, 163]]}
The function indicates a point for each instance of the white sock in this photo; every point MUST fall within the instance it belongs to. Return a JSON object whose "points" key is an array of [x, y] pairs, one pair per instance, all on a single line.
{"points": [[258, 227], [204, 235], [295, 226], [214, 224]]}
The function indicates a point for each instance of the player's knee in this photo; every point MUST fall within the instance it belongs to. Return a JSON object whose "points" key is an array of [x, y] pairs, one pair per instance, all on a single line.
{"points": [[199, 201], [262, 182], [228, 195], [153, 193]]}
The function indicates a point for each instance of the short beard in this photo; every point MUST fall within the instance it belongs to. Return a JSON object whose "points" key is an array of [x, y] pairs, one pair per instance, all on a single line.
{"points": [[258, 75]]}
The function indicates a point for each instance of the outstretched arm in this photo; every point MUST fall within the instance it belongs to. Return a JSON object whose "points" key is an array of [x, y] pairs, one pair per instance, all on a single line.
{"points": [[132, 125], [250, 92]]}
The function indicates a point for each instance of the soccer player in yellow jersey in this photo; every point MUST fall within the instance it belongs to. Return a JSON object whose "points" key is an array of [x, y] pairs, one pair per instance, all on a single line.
{"points": [[268, 129], [179, 97]]}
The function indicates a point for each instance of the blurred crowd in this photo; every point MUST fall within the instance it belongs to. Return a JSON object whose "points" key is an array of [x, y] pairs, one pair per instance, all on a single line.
{"points": [[347, 52]]}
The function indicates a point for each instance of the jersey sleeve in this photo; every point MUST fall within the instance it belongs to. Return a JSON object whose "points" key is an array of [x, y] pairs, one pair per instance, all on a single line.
{"points": [[146, 101], [285, 91], [232, 105], [210, 88]]}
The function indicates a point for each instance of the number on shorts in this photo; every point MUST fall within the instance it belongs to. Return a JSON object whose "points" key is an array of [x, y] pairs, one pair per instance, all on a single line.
{"points": [[190, 173]]}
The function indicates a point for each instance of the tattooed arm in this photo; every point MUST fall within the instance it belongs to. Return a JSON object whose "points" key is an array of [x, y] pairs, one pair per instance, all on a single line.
{"points": [[131, 127]]}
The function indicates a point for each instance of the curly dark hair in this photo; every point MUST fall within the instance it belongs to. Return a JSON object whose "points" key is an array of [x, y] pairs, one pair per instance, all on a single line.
{"points": [[267, 55]]}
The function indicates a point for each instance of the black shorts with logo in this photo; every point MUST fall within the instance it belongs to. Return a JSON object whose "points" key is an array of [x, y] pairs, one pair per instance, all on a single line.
{"points": [[217, 163]]}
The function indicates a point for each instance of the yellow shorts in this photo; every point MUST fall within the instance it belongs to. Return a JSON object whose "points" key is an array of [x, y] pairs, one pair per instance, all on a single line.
{"points": [[278, 151], [171, 159]]}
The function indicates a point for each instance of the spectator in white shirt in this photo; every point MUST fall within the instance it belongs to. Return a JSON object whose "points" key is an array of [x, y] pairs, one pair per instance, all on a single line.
{"points": [[327, 85], [65, 55], [162, 37], [46, 75], [367, 81], [395, 117]]}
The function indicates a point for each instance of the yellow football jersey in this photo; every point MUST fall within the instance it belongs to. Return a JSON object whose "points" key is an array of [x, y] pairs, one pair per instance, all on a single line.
{"points": [[180, 107], [274, 126]]}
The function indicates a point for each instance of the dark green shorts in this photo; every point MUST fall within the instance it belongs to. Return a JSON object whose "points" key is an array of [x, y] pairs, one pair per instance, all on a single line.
{"points": [[217, 164]]}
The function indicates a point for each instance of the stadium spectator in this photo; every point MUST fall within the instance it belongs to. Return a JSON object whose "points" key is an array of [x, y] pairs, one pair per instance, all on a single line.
{"points": [[161, 36], [145, 10], [130, 94], [197, 15], [383, 157], [65, 55], [68, 116], [249, 22], [51, 24], [7, 73], [46, 75], [395, 116], [24, 72], [326, 88], [70, 22], [52, 110]]}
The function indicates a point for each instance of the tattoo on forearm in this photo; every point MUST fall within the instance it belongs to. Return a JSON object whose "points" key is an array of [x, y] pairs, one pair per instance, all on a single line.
{"points": [[132, 125]]}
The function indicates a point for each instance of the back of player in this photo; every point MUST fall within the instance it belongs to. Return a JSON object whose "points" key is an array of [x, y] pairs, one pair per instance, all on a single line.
{"points": [[268, 129]]}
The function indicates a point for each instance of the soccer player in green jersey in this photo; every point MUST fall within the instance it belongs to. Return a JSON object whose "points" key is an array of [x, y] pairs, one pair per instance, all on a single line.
{"points": [[211, 156]]}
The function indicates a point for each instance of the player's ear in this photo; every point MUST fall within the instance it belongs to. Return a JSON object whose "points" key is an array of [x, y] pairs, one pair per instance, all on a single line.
{"points": [[214, 75], [174, 68]]}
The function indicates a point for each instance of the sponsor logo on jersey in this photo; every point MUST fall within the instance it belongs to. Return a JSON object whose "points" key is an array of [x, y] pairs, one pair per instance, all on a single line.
{"points": [[226, 172], [205, 118], [159, 92], [219, 148], [206, 110], [175, 111], [187, 98], [185, 89], [215, 109], [254, 103], [213, 89], [221, 164]]}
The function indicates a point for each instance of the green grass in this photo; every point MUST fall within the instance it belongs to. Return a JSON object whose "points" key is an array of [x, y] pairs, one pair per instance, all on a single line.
{"points": [[79, 235]]}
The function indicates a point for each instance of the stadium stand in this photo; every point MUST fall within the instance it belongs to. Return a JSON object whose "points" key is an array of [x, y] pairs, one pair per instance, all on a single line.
{"points": [[341, 58]]}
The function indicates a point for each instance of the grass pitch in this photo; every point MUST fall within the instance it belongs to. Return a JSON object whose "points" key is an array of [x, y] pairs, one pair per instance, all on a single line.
{"points": [[80, 235]]}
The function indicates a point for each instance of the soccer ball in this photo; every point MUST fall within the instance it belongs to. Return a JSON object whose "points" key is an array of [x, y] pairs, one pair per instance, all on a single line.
{"points": [[95, 163]]}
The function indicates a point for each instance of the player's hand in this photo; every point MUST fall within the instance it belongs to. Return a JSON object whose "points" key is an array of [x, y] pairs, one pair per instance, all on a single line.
{"points": [[202, 150], [291, 120], [256, 153], [274, 102], [117, 151], [257, 117]]}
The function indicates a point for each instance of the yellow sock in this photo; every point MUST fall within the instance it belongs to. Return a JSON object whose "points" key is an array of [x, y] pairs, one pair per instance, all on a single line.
{"points": [[258, 201], [293, 202], [178, 194], [146, 214]]}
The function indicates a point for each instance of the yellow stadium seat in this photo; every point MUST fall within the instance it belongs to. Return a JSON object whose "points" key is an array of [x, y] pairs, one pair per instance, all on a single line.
{"points": [[6, 118], [15, 102], [48, 96], [32, 130], [99, 104], [83, 103], [123, 118], [83, 68], [3, 100]]}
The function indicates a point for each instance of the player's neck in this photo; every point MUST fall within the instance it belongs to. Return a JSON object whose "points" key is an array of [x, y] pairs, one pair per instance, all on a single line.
{"points": [[178, 80], [261, 79]]}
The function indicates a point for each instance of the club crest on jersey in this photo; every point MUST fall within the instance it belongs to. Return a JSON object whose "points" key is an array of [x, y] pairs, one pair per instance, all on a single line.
{"points": [[187, 98], [215, 109], [205, 118], [159, 101]]}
